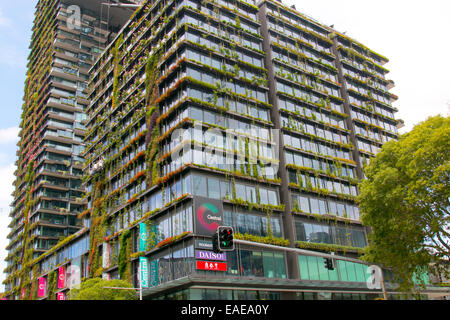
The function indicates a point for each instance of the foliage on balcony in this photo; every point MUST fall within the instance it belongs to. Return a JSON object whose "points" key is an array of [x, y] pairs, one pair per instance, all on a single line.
{"points": [[256, 206], [267, 240], [173, 239], [337, 174], [328, 247]]}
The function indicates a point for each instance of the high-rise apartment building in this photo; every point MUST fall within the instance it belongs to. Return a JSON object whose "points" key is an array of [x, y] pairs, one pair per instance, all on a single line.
{"points": [[249, 108], [226, 112], [66, 40]]}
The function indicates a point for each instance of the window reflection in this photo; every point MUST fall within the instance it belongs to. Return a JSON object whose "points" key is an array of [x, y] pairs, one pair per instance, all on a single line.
{"points": [[331, 234]]}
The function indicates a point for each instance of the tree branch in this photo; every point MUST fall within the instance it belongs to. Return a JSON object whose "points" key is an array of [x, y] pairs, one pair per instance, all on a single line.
{"points": [[443, 243]]}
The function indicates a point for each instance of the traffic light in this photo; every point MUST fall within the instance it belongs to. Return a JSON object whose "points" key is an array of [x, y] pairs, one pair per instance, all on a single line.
{"points": [[226, 239], [223, 239], [215, 242], [328, 263]]}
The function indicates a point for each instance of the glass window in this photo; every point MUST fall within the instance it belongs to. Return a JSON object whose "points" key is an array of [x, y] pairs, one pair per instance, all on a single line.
{"points": [[280, 266], [242, 225], [254, 224], [252, 264], [251, 194], [287, 140], [300, 231], [298, 160], [269, 265], [340, 209], [194, 73], [314, 205], [209, 117], [199, 186], [263, 114], [296, 143], [276, 227], [213, 188], [198, 157], [289, 157], [303, 265], [309, 231], [240, 191], [254, 112], [197, 94], [304, 204], [196, 114], [232, 263], [307, 162], [272, 195], [322, 207], [312, 268], [264, 199], [323, 272], [224, 189], [216, 63], [360, 272]]}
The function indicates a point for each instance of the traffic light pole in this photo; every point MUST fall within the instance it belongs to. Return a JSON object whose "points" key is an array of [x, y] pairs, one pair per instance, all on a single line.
{"points": [[315, 254]]}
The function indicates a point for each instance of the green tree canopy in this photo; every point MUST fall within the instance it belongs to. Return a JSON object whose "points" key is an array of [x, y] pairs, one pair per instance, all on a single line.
{"points": [[405, 202], [94, 289]]}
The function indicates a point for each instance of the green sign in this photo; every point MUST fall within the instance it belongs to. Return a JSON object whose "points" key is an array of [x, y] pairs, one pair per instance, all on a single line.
{"points": [[143, 264], [143, 235]]}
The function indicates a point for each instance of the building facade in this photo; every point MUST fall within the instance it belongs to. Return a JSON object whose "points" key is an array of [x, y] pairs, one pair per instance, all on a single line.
{"points": [[237, 113], [253, 108], [66, 40]]}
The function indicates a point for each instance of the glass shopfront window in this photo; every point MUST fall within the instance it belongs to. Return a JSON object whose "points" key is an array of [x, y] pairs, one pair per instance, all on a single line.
{"points": [[312, 268], [250, 263]]}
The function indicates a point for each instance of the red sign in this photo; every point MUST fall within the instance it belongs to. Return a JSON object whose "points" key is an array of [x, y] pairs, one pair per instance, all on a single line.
{"points": [[61, 277], [211, 266], [42, 289], [60, 296]]}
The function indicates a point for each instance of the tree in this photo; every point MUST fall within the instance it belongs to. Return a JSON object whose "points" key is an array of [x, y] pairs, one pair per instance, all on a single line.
{"points": [[405, 202], [94, 289]]}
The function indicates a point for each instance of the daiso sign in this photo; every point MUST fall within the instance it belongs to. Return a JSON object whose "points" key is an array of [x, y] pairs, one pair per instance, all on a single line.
{"points": [[209, 255]]}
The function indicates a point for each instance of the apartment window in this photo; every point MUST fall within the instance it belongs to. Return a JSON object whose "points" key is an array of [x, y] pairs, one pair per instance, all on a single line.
{"points": [[214, 188], [199, 186], [251, 194]]}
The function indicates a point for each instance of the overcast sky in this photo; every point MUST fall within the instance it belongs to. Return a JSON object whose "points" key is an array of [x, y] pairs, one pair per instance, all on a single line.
{"points": [[413, 34]]}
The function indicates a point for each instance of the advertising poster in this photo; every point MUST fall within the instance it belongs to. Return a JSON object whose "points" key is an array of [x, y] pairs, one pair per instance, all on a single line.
{"points": [[42, 289], [61, 277], [208, 215]]}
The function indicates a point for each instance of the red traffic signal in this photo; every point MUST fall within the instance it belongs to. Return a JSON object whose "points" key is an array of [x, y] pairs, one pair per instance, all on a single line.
{"points": [[223, 239]]}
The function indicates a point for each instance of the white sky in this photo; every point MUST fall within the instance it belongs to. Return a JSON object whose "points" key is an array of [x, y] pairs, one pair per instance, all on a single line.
{"points": [[8, 138], [413, 34]]}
